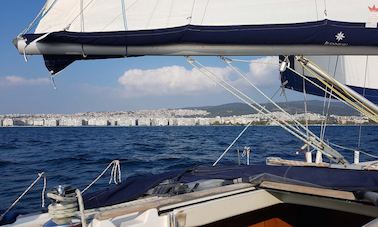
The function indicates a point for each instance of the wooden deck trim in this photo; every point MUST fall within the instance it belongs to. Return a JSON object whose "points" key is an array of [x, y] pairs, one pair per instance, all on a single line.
{"points": [[309, 190]]}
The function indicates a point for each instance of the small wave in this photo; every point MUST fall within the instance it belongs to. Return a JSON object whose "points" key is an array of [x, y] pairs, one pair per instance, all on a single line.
{"points": [[8, 147], [6, 163]]}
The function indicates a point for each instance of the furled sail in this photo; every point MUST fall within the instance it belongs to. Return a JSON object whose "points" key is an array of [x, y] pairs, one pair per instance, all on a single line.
{"points": [[70, 30], [357, 72]]}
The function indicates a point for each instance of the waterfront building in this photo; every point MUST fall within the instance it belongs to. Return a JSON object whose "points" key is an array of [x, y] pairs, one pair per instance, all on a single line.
{"points": [[186, 121], [98, 122], [7, 122], [70, 122], [51, 122], [144, 122], [159, 122], [38, 122], [126, 122]]}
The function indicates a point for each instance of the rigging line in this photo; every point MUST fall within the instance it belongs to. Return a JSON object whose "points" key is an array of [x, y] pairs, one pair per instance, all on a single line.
{"points": [[263, 94], [82, 15], [363, 94], [333, 95], [40, 14], [351, 149], [289, 125], [191, 12], [306, 116], [320, 145], [232, 144], [152, 14], [121, 14], [169, 14], [40, 175], [333, 81], [360, 108], [204, 13], [324, 102], [79, 14], [321, 88], [329, 101], [234, 91], [33, 21], [316, 8], [343, 97], [124, 14]]}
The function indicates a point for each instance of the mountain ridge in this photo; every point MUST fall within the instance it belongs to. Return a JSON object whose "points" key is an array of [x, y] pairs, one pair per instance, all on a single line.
{"points": [[293, 107]]}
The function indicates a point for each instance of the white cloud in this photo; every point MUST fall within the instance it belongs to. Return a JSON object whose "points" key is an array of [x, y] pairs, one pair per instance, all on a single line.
{"points": [[21, 81], [177, 80], [264, 71]]}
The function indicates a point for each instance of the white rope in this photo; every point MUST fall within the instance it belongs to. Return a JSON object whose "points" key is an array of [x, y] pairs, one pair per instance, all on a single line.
{"points": [[363, 94], [308, 132], [351, 149], [115, 174], [39, 15], [40, 175], [232, 144], [321, 88], [81, 208], [313, 142]]}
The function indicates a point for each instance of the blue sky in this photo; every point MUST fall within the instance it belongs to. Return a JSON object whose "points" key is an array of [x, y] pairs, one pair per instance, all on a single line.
{"points": [[111, 85]]}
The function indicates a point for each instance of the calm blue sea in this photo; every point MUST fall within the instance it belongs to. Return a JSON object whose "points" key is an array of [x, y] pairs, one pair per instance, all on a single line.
{"points": [[76, 156]]}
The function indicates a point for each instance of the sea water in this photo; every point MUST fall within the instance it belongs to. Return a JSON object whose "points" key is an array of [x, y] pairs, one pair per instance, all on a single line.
{"points": [[76, 156]]}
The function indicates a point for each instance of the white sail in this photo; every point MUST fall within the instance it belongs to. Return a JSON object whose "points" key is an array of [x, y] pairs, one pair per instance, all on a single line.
{"points": [[71, 30], [113, 15]]}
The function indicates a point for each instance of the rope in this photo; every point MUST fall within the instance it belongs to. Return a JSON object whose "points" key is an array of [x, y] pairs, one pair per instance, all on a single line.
{"points": [[314, 142], [363, 94], [351, 149], [81, 208], [323, 128], [227, 61], [27, 29], [306, 116], [349, 98], [40, 175], [232, 144], [115, 175]]}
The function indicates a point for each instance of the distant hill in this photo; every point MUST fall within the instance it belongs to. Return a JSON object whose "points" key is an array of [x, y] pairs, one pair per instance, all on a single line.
{"points": [[293, 107]]}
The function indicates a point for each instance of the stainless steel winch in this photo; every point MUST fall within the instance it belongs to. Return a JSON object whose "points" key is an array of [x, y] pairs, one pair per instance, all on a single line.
{"points": [[63, 208]]}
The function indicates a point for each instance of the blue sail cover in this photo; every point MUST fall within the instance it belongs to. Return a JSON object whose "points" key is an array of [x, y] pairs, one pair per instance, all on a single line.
{"points": [[357, 72], [137, 186], [87, 28]]}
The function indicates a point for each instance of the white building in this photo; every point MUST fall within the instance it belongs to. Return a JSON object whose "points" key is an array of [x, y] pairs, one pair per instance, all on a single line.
{"points": [[70, 122], [203, 121], [98, 122], [51, 122], [186, 121], [7, 122], [126, 122], [38, 122], [159, 122], [144, 122]]}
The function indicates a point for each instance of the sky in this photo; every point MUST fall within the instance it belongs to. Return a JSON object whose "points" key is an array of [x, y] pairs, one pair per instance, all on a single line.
{"points": [[119, 84]]}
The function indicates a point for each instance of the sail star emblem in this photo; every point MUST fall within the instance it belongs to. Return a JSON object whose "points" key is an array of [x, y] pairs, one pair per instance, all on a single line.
{"points": [[340, 36]]}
